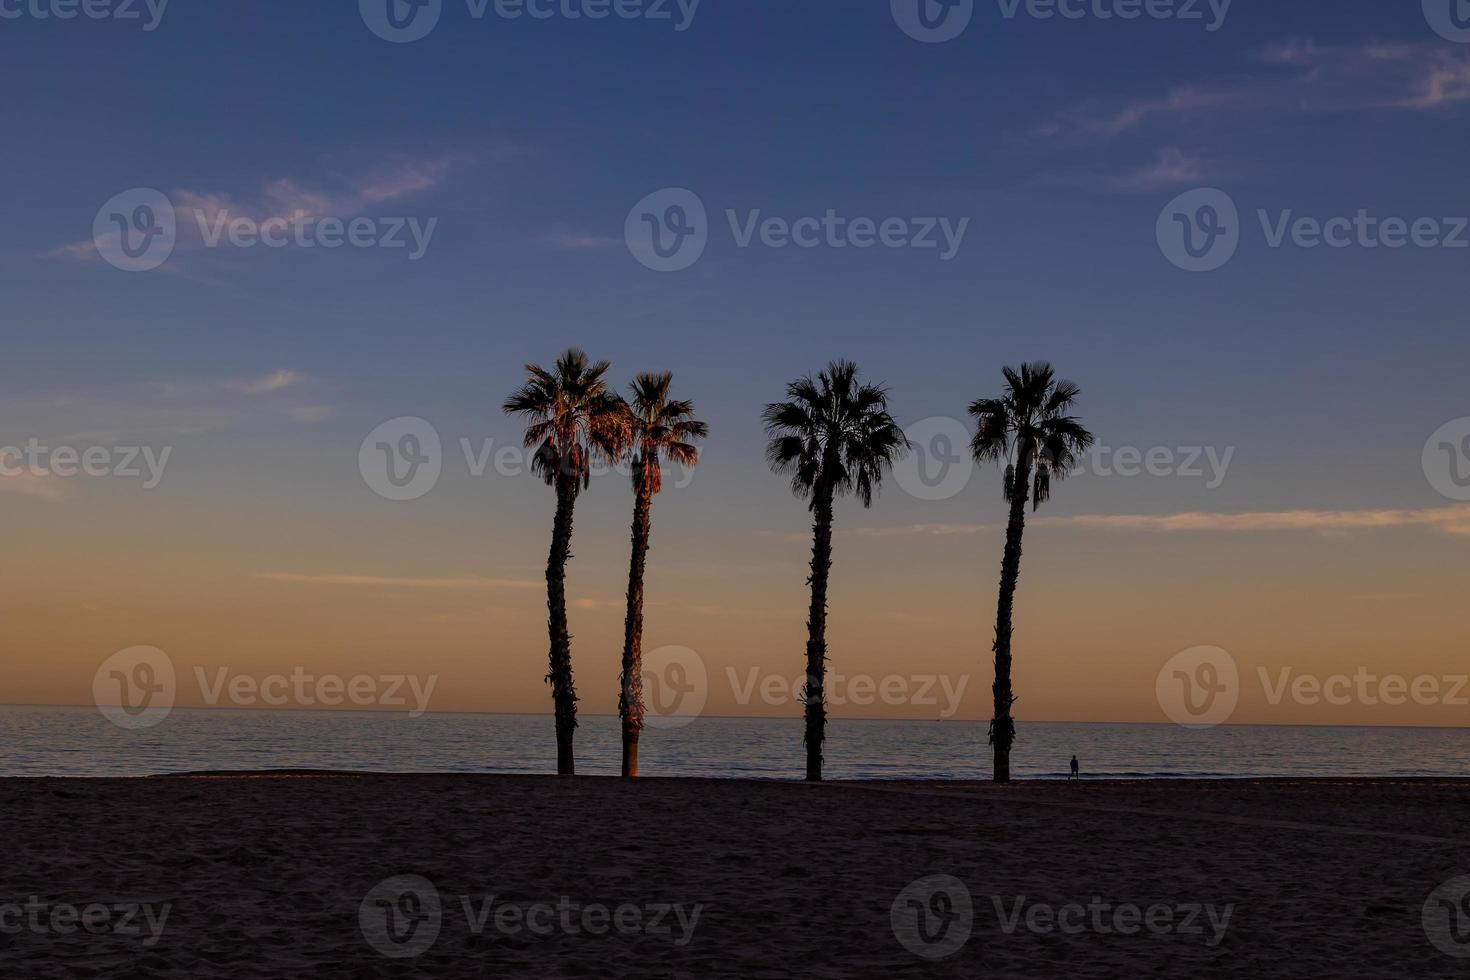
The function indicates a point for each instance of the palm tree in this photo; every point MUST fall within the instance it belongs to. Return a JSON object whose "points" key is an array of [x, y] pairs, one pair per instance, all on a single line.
{"points": [[660, 429], [1029, 429], [834, 436], [572, 420]]}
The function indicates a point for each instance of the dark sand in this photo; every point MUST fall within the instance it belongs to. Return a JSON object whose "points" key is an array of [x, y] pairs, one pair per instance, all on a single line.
{"points": [[264, 875]]}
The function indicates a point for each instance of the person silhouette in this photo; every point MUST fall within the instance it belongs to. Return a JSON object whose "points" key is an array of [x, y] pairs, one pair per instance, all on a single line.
{"points": [[1076, 773]]}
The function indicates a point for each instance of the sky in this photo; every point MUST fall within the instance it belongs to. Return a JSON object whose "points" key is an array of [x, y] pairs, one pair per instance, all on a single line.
{"points": [[1303, 408]]}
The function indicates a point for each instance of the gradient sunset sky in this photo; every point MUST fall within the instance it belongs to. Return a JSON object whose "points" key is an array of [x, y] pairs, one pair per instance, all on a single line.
{"points": [[1324, 548]]}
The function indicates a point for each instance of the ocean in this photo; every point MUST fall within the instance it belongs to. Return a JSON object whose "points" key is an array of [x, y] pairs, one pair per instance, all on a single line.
{"points": [[45, 741]]}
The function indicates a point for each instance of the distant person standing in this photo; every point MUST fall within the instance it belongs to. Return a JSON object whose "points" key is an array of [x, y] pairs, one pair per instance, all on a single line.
{"points": [[1076, 770]]}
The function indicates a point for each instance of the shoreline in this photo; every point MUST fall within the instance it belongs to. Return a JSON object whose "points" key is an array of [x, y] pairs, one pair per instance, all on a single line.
{"points": [[915, 781]]}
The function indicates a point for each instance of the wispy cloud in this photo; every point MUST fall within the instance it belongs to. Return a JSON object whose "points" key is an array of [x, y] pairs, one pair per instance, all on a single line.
{"points": [[26, 482], [1094, 120], [1453, 519], [287, 199], [469, 584], [278, 380], [1411, 76], [1171, 167]]}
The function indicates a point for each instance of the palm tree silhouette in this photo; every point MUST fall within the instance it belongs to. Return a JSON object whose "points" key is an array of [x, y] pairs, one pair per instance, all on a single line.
{"points": [[572, 420], [660, 429], [1027, 427], [834, 436]]}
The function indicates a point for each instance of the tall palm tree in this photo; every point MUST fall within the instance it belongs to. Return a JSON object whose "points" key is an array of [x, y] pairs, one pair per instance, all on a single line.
{"points": [[834, 436], [660, 429], [1029, 429], [572, 420]]}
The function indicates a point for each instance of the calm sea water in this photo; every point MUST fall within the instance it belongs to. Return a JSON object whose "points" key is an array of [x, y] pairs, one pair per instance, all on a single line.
{"points": [[80, 742]]}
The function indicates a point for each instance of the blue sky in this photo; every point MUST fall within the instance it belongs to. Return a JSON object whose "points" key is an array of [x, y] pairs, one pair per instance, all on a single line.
{"points": [[529, 141]]}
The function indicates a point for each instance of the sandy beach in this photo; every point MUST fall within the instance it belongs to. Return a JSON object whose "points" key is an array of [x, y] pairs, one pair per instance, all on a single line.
{"points": [[284, 875]]}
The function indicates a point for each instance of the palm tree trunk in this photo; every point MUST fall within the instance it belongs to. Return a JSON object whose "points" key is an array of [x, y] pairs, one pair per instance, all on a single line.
{"points": [[630, 702], [1003, 726], [559, 670], [814, 694]]}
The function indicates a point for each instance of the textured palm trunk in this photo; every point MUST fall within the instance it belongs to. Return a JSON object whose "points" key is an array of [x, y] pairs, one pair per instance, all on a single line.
{"points": [[559, 668], [630, 702], [814, 694], [1003, 726]]}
